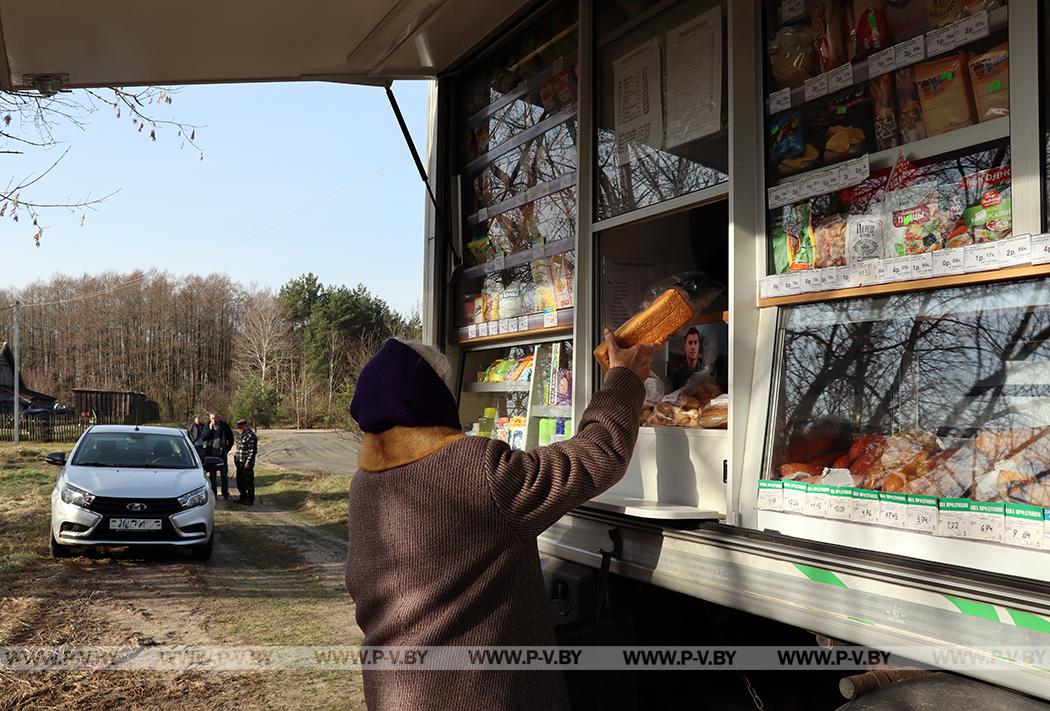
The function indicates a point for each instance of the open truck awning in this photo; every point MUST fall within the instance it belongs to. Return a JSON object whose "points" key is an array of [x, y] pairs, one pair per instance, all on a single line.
{"points": [[134, 43]]}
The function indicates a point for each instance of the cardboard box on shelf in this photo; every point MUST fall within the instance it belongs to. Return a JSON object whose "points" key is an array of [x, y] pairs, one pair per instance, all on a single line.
{"points": [[944, 92], [990, 78]]}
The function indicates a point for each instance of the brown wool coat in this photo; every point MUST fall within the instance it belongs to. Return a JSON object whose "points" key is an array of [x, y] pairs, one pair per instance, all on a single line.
{"points": [[443, 547]]}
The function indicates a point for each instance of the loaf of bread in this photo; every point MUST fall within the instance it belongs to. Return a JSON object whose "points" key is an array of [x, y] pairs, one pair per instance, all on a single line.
{"points": [[667, 313]]}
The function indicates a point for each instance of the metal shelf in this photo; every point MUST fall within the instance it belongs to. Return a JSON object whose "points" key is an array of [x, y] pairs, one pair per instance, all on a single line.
{"points": [[524, 88], [957, 140], [519, 258], [536, 330], [566, 114], [536, 192]]}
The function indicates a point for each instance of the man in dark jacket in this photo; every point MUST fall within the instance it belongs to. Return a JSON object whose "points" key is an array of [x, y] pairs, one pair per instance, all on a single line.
{"points": [[218, 441], [244, 460], [196, 431]]}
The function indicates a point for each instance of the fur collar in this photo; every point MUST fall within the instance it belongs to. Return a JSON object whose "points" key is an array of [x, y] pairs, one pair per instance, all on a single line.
{"points": [[399, 446]]}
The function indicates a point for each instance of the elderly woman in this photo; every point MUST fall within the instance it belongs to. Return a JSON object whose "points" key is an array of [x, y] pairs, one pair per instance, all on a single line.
{"points": [[443, 527]]}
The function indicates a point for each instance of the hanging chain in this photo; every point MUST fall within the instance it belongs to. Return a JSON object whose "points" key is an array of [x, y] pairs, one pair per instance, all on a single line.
{"points": [[755, 698]]}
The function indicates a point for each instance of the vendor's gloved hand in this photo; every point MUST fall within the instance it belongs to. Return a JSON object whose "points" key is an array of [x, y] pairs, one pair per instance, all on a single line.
{"points": [[638, 359]]}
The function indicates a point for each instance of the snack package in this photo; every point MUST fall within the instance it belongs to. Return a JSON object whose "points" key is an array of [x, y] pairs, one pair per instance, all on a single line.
{"points": [[468, 309], [883, 96], [479, 308], [563, 267], [492, 290], [916, 222], [910, 122], [850, 125], [827, 23], [990, 78], [865, 238], [990, 215], [829, 242], [944, 92], [481, 249], [510, 304], [791, 57], [780, 250], [543, 281], [788, 146], [798, 229], [943, 12], [906, 18], [654, 395], [715, 414], [866, 30]]}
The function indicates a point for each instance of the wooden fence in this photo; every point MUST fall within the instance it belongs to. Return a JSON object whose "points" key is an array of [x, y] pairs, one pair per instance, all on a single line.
{"points": [[44, 427]]}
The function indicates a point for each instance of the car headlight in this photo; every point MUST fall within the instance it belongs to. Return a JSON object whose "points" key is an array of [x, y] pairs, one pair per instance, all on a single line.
{"points": [[197, 497], [76, 497]]}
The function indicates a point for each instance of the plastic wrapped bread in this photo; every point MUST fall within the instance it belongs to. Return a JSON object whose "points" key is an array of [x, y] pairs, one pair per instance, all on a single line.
{"points": [[666, 314], [715, 414]]}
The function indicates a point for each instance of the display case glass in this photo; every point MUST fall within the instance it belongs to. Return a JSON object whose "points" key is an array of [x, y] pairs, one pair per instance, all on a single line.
{"points": [[919, 399], [660, 102]]}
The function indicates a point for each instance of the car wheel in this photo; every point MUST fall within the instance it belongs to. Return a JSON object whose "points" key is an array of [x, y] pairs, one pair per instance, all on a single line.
{"points": [[58, 550], [203, 551]]}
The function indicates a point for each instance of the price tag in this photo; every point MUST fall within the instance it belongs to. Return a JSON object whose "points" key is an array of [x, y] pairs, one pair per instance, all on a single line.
{"points": [[865, 506], [550, 317], [523, 323], [921, 266], [794, 191], [1041, 249], [941, 40], [792, 284], [882, 62], [483, 214], [910, 52], [859, 169], [972, 28], [840, 78], [987, 521], [499, 262], [817, 500], [854, 276], [815, 87], [981, 257], [780, 101], [948, 261], [893, 510], [792, 10], [1014, 251], [953, 518], [778, 196], [833, 278], [897, 268], [811, 280], [922, 513], [794, 497], [1024, 526], [472, 331], [840, 503], [483, 329], [770, 496]]}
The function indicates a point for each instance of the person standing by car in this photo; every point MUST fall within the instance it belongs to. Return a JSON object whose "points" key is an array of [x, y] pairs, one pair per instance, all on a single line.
{"points": [[196, 432], [218, 441], [244, 461]]}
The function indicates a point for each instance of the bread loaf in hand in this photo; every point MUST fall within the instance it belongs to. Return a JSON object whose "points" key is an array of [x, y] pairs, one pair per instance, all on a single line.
{"points": [[667, 313]]}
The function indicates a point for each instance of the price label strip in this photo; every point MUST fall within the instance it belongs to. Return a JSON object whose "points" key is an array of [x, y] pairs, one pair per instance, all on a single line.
{"points": [[1015, 251], [523, 323], [1024, 526], [815, 87], [910, 52], [472, 331], [840, 503], [921, 266], [840, 78], [987, 521], [972, 28], [922, 513], [949, 261], [817, 500], [865, 506], [550, 317], [811, 280], [780, 101], [953, 518], [882, 62], [792, 284], [896, 269], [794, 497], [770, 496], [940, 40], [981, 257], [1041, 249], [893, 510]]}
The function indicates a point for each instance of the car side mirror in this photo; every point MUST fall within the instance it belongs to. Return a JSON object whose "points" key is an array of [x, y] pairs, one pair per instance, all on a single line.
{"points": [[211, 462], [56, 458]]}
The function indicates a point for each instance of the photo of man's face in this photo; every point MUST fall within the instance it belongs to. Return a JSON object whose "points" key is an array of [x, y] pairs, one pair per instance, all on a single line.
{"points": [[692, 347]]}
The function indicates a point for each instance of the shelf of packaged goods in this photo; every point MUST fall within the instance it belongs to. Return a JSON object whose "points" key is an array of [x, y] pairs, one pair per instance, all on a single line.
{"points": [[536, 192], [861, 70], [1004, 274], [505, 387], [524, 88], [563, 411], [566, 114], [517, 259], [539, 325]]}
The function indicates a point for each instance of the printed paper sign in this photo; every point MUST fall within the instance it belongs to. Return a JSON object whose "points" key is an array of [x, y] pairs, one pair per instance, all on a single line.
{"points": [[865, 506], [770, 496], [815, 87], [987, 521], [981, 257], [780, 101], [922, 513], [953, 518], [1041, 249], [1024, 526], [840, 78], [911, 51], [817, 500], [882, 62], [840, 503], [794, 497], [472, 331], [893, 510], [1015, 251], [941, 40], [948, 261], [550, 318]]}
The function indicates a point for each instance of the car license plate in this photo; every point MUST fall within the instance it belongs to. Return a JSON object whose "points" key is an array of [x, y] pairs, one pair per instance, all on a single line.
{"points": [[134, 524]]}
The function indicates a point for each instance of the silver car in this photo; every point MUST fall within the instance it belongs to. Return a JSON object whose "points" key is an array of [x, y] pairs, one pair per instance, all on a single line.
{"points": [[125, 485]]}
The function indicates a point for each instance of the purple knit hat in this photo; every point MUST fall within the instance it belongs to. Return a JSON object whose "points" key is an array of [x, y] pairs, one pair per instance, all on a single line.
{"points": [[397, 388]]}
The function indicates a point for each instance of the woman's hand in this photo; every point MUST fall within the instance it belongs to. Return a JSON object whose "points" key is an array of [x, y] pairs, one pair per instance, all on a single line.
{"points": [[638, 359]]}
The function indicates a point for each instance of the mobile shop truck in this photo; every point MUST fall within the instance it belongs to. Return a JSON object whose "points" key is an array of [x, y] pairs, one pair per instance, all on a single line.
{"points": [[833, 184]]}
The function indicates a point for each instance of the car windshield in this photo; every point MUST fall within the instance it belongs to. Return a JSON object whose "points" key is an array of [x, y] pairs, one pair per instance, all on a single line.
{"points": [[134, 449]]}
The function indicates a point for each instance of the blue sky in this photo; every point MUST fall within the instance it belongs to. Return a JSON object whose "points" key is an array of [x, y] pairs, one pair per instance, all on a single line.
{"points": [[295, 178]]}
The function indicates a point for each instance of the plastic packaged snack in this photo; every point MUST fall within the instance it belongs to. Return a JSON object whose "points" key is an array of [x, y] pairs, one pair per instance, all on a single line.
{"points": [[910, 122], [827, 23], [788, 146], [563, 267], [715, 414], [543, 297], [865, 238], [916, 222], [850, 125], [492, 291], [791, 56], [990, 215], [481, 249], [990, 78], [798, 229], [866, 30], [906, 18], [829, 242], [944, 92], [884, 100]]}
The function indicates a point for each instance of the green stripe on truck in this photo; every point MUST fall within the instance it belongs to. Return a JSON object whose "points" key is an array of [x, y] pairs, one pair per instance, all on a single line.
{"points": [[819, 575], [1029, 621], [974, 609]]}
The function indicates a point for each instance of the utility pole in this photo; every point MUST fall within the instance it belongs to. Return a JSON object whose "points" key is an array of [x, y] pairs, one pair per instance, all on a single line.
{"points": [[18, 375]]}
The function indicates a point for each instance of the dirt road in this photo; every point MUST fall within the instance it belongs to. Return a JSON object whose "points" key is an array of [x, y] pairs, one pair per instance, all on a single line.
{"points": [[325, 451], [275, 579]]}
